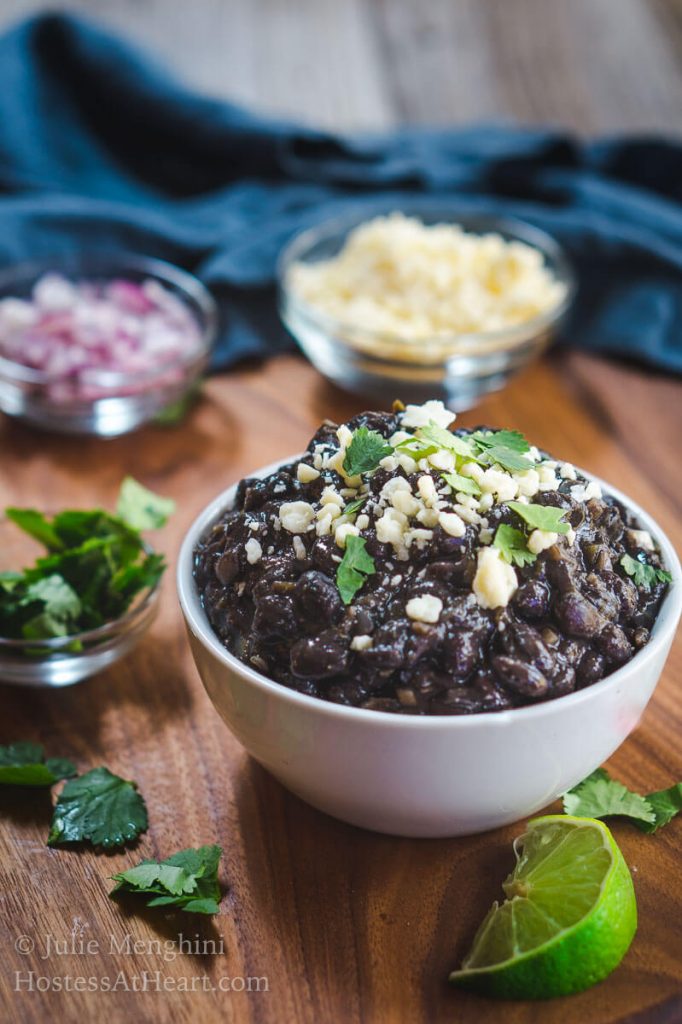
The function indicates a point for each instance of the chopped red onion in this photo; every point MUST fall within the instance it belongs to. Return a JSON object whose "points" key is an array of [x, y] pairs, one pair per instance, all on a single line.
{"points": [[93, 340]]}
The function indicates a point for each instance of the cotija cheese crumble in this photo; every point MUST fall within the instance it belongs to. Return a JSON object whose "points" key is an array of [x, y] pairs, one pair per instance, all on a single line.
{"points": [[398, 276]]}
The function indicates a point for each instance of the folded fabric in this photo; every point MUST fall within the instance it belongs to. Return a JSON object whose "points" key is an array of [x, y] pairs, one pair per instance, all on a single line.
{"points": [[101, 149]]}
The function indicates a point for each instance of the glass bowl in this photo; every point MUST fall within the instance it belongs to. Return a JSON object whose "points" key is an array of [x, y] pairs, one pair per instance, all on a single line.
{"points": [[457, 368], [117, 401], [61, 661]]}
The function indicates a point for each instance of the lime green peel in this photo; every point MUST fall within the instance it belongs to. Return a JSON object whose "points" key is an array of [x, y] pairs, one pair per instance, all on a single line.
{"points": [[568, 919]]}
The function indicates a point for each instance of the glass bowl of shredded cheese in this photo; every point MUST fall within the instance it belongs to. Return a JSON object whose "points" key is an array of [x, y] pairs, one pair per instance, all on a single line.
{"points": [[423, 303]]}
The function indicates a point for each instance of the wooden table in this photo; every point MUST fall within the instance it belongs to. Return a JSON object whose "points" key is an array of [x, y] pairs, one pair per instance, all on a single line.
{"points": [[345, 925]]}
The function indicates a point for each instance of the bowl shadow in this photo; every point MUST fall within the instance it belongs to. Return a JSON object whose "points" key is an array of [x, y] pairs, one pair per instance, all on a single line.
{"points": [[378, 919]]}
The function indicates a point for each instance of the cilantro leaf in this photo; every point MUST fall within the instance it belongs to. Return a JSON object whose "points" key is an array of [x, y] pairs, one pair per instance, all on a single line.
{"points": [[512, 439], [61, 608], [99, 807], [643, 574], [443, 438], [188, 880], [504, 448], [354, 506], [365, 451], [24, 764], [36, 525], [47, 607], [665, 804], [541, 517], [131, 579], [354, 568], [511, 543], [416, 448], [506, 458], [461, 483], [141, 508], [599, 796]]}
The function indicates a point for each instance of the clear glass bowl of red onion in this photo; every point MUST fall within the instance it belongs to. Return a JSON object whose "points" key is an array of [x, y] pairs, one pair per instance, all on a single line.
{"points": [[100, 344]]}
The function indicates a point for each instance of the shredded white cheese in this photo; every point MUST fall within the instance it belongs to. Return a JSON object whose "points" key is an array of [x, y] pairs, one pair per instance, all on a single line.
{"points": [[539, 540], [397, 275], [495, 581], [306, 474], [254, 552], [426, 608], [361, 643], [296, 516]]}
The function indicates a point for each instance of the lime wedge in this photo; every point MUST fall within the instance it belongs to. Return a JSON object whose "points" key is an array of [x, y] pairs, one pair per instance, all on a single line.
{"points": [[569, 916]]}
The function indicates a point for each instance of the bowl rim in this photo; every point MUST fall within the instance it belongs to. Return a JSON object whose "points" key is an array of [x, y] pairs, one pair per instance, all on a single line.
{"points": [[197, 621], [98, 263], [472, 222]]}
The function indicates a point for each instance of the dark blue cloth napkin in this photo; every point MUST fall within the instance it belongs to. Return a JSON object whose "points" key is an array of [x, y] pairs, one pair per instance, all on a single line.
{"points": [[100, 148]]}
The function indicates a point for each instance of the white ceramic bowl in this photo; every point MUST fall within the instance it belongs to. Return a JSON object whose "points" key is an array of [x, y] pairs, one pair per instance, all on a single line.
{"points": [[426, 776]]}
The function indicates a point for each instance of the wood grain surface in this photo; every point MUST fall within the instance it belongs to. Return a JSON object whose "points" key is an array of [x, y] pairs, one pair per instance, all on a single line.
{"points": [[345, 926]]}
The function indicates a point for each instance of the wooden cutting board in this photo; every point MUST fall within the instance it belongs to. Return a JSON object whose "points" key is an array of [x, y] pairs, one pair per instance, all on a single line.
{"points": [[344, 925]]}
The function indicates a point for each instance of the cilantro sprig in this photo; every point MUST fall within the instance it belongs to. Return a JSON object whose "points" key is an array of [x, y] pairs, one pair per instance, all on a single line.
{"points": [[541, 517], [600, 796], [95, 564], [512, 545], [354, 568], [643, 574], [98, 807], [187, 880], [366, 450], [354, 506], [140, 508], [465, 484], [441, 438], [503, 447], [25, 764]]}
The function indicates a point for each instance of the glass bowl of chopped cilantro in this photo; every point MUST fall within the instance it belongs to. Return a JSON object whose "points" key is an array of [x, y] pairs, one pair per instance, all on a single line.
{"points": [[83, 601]]}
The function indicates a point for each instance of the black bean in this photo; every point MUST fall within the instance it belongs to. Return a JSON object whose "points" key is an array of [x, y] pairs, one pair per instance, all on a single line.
{"points": [[460, 702], [361, 621], [319, 657], [560, 573], [563, 681], [425, 640], [604, 599], [520, 677], [614, 645], [388, 648], [384, 423], [491, 695], [461, 651], [591, 668], [525, 642], [576, 615], [382, 704], [640, 637], [316, 600], [626, 593], [611, 524], [532, 599], [274, 616], [227, 566]]}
